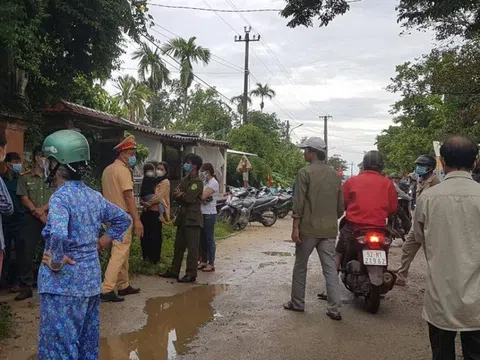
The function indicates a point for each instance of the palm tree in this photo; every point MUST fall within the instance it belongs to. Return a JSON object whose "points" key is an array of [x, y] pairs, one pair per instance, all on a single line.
{"points": [[186, 52], [150, 65], [132, 97], [263, 91], [239, 101]]}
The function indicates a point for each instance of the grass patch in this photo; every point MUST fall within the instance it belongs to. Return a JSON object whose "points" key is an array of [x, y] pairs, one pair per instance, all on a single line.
{"points": [[138, 266], [6, 321]]}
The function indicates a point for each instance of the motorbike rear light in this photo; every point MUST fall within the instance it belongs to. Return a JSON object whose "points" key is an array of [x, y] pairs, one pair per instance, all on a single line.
{"points": [[375, 240]]}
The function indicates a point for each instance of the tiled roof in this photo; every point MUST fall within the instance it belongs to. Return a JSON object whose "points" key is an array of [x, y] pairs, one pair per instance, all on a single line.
{"points": [[100, 116]]}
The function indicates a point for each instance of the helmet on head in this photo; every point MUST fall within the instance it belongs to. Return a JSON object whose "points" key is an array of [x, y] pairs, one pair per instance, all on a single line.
{"points": [[67, 147], [426, 160], [373, 160]]}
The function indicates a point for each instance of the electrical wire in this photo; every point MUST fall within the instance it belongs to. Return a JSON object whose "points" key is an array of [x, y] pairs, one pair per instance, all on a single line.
{"points": [[213, 10], [196, 77]]}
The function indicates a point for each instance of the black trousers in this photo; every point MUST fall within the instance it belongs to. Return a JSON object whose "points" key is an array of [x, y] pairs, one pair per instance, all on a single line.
{"points": [[443, 344], [186, 238], [11, 261], [152, 236], [30, 249]]}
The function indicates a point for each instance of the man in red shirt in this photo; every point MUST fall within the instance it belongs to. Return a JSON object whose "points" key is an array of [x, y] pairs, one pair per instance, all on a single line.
{"points": [[370, 198]]}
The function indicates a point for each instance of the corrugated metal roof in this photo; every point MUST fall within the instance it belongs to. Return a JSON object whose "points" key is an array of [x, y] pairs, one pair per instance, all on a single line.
{"points": [[68, 107]]}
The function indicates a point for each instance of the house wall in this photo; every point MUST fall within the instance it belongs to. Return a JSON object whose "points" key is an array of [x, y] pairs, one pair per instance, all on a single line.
{"points": [[15, 134], [217, 157]]}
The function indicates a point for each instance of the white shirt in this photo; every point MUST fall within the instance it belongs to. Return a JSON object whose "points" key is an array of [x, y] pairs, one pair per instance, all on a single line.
{"points": [[210, 208], [447, 224]]}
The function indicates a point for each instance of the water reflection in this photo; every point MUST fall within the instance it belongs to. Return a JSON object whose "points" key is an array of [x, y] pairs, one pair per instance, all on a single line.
{"points": [[172, 323]]}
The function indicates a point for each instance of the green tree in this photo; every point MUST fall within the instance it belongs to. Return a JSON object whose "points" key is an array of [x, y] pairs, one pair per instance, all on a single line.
{"points": [[151, 68], [132, 97], [187, 53], [337, 162], [263, 91], [303, 12], [56, 41], [239, 101]]}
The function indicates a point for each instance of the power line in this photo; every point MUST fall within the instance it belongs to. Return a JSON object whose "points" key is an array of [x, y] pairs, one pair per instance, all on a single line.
{"points": [[225, 62], [198, 79], [214, 10]]}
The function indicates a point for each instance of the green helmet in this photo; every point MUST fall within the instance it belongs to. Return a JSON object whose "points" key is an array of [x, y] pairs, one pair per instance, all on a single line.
{"points": [[67, 147]]}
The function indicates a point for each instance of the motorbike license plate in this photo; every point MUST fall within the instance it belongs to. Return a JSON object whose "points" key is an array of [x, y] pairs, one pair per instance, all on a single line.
{"points": [[374, 257]]}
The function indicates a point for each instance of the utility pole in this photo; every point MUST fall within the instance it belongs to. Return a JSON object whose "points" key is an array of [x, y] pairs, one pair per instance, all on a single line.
{"points": [[246, 40], [325, 130], [351, 169], [288, 131]]}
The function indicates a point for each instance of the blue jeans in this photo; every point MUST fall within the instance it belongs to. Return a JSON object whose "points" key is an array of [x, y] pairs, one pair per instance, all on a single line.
{"points": [[207, 242]]}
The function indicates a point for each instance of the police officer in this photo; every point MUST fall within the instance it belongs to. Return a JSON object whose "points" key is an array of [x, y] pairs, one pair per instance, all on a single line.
{"points": [[189, 221]]}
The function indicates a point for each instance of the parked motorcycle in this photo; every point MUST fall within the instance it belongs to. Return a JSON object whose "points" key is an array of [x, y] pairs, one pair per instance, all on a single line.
{"points": [[284, 205], [401, 222], [364, 265]]}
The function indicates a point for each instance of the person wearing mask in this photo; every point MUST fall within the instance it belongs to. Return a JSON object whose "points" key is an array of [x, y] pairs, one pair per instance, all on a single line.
{"points": [[34, 194], [70, 274], [117, 187], [446, 224], [209, 211], [12, 223], [426, 164], [317, 206], [6, 203], [189, 221], [370, 199], [156, 209]]}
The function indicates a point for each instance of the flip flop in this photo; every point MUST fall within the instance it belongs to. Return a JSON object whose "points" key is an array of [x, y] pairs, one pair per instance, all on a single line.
{"points": [[334, 316], [289, 306], [322, 296]]}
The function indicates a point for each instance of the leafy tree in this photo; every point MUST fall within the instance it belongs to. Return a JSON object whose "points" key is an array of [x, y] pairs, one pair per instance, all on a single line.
{"points": [[56, 41], [239, 101], [151, 68], [303, 12], [337, 162], [263, 91], [186, 52], [132, 97]]}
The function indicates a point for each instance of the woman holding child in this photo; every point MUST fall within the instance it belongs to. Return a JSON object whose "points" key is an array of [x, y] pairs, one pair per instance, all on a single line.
{"points": [[155, 199]]}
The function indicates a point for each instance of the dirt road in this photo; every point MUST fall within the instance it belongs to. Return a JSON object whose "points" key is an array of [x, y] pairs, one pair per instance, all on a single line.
{"points": [[236, 313]]}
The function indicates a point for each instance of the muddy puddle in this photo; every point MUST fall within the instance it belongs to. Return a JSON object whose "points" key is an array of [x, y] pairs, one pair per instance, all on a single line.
{"points": [[278, 253], [172, 323]]}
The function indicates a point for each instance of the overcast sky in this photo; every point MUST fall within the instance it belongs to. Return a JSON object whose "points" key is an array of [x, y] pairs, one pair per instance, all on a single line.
{"points": [[341, 70]]}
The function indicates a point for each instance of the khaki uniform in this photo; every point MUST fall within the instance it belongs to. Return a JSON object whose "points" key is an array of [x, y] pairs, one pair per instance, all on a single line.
{"points": [[189, 223], [116, 179], [410, 247]]}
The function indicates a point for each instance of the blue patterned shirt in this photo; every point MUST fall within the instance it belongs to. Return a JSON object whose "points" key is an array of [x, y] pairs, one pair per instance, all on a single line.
{"points": [[75, 217]]}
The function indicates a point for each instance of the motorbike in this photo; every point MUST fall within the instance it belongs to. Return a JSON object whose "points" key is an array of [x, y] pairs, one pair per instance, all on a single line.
{"points": [[401, 222], [284, 205], [364, 265], [241, 208]]}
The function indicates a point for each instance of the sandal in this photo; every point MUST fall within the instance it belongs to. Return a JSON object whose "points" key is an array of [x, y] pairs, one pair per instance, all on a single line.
{"points": [[334, 316], [289, 306], [202, 266], [322, 296], [208, 268]]}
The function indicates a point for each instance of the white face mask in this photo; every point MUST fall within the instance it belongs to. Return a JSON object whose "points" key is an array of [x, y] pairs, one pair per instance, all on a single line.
{"points": [[149, 173], [203, 175], [160, 173]]}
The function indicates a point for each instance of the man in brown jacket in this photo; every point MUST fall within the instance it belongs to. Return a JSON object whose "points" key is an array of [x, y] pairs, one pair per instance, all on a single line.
{"points": [[426, 164], [318, 204]]}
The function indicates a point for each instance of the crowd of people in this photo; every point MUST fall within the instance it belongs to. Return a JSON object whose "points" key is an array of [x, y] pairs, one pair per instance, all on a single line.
{"points": [[52, 224], [445, 223]]}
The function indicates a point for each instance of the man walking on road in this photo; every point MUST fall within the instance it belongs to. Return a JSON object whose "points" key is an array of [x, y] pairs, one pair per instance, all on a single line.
{"points": [[117, 187], [446, 223], [426, 179], [318, 204]]}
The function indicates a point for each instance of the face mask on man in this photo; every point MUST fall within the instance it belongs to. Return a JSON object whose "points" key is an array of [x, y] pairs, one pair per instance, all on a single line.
{"points": [[187, 167], [421, 170], [16, 168], [132, 160]]}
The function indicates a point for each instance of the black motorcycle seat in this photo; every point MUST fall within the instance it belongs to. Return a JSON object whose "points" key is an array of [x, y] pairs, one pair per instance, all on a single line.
{"points": [[248, 202], [285, 197], [263, 200]]}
